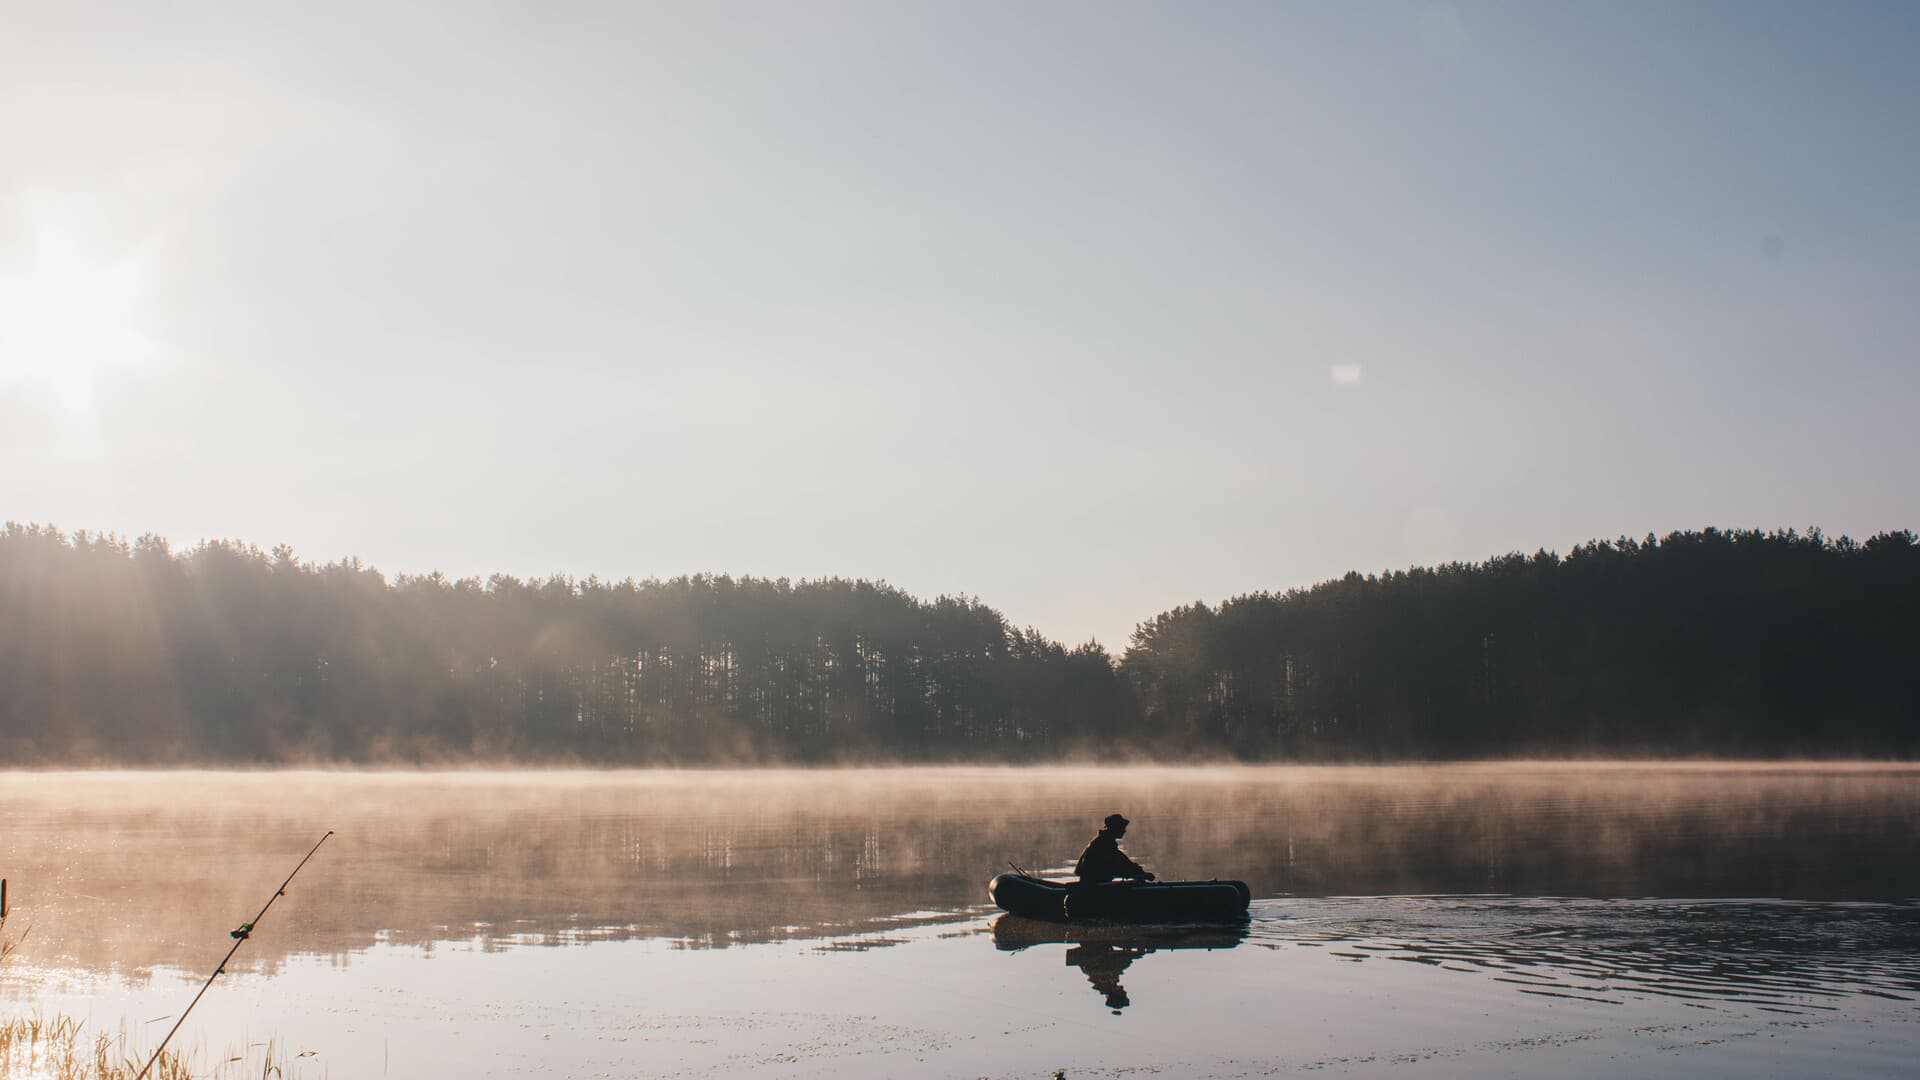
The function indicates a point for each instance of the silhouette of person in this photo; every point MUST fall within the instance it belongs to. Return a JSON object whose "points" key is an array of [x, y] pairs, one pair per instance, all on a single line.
{"points": [[1104, 861], [1103, 965]]}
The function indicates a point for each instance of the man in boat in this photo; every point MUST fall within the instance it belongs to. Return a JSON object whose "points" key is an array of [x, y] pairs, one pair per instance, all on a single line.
{"points": [[1104, 861]]}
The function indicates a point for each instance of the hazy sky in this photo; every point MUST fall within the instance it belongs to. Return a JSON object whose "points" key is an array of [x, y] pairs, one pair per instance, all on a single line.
{"points": [[1085, 309]]}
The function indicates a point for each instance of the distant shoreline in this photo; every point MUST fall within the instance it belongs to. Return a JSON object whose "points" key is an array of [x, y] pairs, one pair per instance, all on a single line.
{"points": [[1697, 645]]}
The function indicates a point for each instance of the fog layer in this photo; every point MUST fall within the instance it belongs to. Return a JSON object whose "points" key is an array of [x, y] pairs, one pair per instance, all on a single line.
{"points": [[125, 871]]}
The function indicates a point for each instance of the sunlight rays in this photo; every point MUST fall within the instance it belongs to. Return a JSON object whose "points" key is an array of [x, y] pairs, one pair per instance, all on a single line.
{"points": [[67, 317]]}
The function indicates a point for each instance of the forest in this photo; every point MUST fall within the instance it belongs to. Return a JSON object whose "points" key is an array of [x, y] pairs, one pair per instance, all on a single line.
{"points": [[1719, 642]]}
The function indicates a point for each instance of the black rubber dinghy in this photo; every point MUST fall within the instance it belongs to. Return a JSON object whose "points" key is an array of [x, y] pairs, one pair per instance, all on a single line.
{"points": [[1122, 901]]}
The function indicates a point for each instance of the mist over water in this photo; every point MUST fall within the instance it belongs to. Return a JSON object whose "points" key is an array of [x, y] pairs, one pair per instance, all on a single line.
{"points": [[160, 860], [1628, 886]]}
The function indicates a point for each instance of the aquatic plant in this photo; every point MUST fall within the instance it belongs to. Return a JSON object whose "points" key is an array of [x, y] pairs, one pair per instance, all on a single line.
{"points": [[56, 1048], [7, 946]]}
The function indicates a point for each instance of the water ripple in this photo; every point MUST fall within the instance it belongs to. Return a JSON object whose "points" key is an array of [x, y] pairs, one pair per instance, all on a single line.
{"points": [[1794, 956]]}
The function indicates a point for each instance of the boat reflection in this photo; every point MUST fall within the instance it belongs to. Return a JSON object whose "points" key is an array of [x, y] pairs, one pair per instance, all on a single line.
{"points": [[1104, 952]]}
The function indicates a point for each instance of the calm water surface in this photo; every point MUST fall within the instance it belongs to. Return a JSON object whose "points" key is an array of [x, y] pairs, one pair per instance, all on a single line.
{"points": [[1450, 921]]}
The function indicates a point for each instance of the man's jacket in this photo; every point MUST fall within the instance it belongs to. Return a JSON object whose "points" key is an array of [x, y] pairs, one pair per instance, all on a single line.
{"points": [[1104, 861]]}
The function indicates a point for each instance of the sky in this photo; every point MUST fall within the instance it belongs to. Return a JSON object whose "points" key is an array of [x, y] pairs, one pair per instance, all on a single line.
{"points": [[1085, 309]]}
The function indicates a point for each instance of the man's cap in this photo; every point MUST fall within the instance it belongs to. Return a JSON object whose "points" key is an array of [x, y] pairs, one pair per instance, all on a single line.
{"points": [[1115, 821]]}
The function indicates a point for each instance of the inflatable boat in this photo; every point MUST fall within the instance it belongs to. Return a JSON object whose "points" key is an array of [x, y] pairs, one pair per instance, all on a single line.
{"points": [[1121, 901]]}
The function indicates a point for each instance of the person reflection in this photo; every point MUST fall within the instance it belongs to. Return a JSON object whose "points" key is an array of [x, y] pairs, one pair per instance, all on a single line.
{"points": [[1103, 860], [1104, 951], [1103, 964]]}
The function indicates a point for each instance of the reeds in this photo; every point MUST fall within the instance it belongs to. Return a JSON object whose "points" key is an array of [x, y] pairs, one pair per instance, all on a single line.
{"points": [[56, 1048], [7, 945]]}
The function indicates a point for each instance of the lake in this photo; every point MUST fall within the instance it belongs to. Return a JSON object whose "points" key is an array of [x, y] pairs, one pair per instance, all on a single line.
{"points": [[1462, 920]]}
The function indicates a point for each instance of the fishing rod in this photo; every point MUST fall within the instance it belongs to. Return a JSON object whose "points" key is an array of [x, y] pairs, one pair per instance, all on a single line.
{"points": [[239, 937]]}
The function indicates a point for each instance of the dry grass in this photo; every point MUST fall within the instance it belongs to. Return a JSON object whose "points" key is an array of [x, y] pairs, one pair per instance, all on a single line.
{"points": [[56, 1048]]}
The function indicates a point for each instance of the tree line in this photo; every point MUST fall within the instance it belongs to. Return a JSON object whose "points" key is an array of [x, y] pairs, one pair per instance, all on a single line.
{"points": [[1710, 642]]}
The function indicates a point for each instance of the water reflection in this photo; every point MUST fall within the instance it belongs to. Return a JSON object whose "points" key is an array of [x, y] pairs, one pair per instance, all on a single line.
{"points": [[1776, 956], [126, 871], [1103, 953]]}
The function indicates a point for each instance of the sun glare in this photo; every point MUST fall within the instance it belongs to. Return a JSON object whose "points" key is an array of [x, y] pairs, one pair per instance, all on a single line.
{"points": [[65, 321]]}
